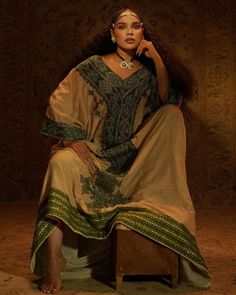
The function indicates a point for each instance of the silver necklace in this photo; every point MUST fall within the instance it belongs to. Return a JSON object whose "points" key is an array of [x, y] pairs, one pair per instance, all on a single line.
{"points": [[126, 64]]}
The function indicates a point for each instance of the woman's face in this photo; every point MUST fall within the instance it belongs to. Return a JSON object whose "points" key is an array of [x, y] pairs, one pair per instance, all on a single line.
{"points": [[128, 31]]}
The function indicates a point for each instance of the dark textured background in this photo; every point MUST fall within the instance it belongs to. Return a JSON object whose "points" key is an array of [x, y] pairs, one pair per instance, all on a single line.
{"points": [[38, 41]]}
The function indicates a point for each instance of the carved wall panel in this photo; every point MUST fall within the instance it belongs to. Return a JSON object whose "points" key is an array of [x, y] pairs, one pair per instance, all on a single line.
{"points": [[38, 42]]}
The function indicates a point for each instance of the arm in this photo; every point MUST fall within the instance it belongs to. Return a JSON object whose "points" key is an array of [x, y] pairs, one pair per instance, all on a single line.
{"points": [[162, 77], [148, 49]]}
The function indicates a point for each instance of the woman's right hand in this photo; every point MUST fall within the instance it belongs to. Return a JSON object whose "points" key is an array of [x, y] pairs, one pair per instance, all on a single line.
{"points": [[81, 149]]}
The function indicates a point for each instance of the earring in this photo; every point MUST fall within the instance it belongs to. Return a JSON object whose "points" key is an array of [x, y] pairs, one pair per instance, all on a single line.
{"points": [[113, 39]]}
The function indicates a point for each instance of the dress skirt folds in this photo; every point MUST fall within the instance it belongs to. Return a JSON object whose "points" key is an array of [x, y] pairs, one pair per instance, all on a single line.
{"points": [[136, 174]]}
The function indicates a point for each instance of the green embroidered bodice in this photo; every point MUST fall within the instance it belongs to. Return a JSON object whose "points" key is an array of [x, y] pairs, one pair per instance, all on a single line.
{"points": [[121, 96]]}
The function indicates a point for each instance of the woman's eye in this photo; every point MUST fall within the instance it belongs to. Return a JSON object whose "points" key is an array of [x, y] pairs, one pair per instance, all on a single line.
{"points": [[137, 26], [121, 27]]}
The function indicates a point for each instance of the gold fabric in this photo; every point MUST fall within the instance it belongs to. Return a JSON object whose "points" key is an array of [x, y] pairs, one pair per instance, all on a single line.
{"points": [[149, 184]]}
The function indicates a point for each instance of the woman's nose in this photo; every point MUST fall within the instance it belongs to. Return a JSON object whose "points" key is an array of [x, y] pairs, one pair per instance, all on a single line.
{"points": [[129, 30]]}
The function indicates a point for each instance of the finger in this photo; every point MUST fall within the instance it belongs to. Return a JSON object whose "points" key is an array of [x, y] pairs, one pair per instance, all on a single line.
{"points": [[143, 41], [142, 49], [83, 154], [79, 145], [137, 51], [80, 153], [140, 44], [80, 149], [43, 288], [54, 291], [88, 159], [92, 166], [84, 157]]}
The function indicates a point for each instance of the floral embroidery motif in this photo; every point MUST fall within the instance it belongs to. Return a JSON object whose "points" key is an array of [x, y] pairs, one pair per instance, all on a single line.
{"points": [[98, 102], [103, 190]]}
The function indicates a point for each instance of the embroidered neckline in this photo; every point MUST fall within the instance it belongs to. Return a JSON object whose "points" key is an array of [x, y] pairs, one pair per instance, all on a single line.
{"points": [[105, 66]]}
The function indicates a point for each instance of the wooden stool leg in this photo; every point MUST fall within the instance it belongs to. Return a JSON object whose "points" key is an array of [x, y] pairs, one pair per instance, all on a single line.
{"points": [[119, 280], [174, 281], [175, 274]]}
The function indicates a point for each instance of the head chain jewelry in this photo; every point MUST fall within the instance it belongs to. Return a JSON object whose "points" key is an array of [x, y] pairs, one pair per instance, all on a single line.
{"points": [[113, 25]]}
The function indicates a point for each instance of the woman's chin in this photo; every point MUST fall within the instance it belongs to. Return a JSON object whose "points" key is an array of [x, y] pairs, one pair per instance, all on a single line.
{"points": [[128, 47]]}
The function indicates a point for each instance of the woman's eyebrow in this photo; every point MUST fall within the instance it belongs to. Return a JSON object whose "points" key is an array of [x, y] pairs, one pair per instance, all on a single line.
{"points": [[124, 23]]}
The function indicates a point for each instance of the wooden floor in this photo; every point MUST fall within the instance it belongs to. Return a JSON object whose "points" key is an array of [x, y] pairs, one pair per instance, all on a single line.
{"points": [[216, 236]]}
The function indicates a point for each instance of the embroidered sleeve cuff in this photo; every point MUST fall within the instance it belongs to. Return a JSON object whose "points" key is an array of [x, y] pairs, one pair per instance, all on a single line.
{"points": [[62, 130], [172, 96]]}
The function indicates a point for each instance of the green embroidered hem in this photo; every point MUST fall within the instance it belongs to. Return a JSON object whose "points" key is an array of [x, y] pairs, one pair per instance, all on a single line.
{"points": [[158, 227], [62, 130]]}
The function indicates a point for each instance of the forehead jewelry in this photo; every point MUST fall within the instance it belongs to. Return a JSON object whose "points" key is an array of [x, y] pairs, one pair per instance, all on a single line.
{"points": [[125, 64]]}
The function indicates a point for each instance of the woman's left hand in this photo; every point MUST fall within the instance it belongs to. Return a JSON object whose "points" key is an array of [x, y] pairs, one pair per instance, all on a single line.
{"points": [[147, 48]]}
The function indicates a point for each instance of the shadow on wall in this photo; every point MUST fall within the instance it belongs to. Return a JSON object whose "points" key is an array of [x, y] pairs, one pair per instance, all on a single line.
{"points": [[207, 162]]}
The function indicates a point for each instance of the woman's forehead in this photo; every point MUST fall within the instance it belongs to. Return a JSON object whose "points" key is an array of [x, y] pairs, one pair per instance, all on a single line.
{"points": [[128, 15]]}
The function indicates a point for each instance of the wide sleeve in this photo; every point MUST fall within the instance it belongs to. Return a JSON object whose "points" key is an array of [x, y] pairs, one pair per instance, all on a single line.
{"points": [[171, 97], [63, 120]]}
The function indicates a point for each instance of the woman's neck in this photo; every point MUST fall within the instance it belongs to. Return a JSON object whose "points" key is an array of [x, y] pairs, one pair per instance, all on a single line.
{"points": [[126, 54]]}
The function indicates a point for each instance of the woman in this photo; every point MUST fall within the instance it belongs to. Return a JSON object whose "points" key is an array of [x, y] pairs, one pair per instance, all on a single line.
{"points": [[121, 154]]}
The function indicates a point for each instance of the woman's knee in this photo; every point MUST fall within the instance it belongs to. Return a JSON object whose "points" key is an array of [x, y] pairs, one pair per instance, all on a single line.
{"points": [[172, 114], [170, 108]]}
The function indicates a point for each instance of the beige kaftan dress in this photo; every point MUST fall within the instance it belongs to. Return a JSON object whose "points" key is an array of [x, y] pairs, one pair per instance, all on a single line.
{"points": [[137, 177]]}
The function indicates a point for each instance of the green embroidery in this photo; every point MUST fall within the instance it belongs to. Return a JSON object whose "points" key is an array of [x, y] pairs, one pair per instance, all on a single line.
{"points": [[42, 231], [153, 100], [172, 96], [62, 130], [98, 102], [103, 190], [158, 227], [121, 96], [121, 157]]}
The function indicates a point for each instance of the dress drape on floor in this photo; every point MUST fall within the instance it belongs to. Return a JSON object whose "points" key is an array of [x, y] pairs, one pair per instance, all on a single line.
{"points": [[137, 173]]}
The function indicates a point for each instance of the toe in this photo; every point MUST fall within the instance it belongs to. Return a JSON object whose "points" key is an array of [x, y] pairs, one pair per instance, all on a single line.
{"points": [[45, 289]]}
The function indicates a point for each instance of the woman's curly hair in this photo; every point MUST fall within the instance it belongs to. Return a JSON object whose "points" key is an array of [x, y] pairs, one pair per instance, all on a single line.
{"points": [[180, 76]]}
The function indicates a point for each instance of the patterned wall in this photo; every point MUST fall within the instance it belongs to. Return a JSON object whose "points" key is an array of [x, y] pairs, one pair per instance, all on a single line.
{"points": [[38, 40]]}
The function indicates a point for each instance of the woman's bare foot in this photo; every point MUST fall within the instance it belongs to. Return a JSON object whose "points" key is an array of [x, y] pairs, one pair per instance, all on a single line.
{"points": [[52, 282]]}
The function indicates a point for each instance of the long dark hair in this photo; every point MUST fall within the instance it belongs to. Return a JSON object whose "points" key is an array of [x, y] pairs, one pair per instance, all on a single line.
{"points": [[180, 76]]}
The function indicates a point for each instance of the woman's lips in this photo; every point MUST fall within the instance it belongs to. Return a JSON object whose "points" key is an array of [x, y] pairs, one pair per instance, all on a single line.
{"points": [[129, 40]]}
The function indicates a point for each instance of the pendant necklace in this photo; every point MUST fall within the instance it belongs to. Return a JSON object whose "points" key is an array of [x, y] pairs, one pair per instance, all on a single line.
{"points": [[126, 64]]}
